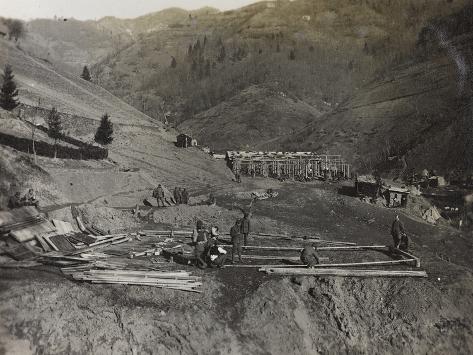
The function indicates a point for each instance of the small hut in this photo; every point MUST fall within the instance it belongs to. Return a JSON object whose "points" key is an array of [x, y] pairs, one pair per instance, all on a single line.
{"points": [[184, 141]]}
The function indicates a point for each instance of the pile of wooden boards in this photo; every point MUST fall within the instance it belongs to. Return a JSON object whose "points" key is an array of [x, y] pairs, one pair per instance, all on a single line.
{"points": [[175, 280]]}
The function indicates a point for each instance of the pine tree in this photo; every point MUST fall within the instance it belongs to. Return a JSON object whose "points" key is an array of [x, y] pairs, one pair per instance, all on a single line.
{"points": [[8, 93], [85, 73], [104, 131], [55, 128]]}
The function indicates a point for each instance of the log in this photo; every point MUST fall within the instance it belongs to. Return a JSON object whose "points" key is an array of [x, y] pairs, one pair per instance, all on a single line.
{"points": [[345, 272], [355, 247], [271, 257], [407, 255]]}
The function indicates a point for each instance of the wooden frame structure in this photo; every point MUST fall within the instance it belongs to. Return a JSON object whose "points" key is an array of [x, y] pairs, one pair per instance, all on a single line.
{"points": [[291, 165]]}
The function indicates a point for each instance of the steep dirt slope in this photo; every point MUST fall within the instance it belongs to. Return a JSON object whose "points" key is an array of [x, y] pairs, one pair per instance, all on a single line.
{"points": [[69, 94], [250, 120], [421, 110]]}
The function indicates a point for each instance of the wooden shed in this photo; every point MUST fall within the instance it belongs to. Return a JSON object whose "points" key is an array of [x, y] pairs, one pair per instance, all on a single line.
{"points": [[185, 141]]}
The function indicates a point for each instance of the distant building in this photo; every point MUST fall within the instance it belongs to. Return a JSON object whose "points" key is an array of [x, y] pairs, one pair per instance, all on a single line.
{"points": [[185, 141], [306, 18]]}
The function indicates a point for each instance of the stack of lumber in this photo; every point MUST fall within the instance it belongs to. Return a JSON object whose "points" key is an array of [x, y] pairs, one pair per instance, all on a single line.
{"points": [[343, 272], [104, 241], [91, 230], [175, 280]]}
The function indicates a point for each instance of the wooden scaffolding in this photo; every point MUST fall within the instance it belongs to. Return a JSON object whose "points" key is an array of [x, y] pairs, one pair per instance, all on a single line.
{"points": [[289, 165]]}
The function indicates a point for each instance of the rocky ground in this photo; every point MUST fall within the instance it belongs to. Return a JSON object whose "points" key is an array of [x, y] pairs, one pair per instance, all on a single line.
{"points": [[242, 311]]}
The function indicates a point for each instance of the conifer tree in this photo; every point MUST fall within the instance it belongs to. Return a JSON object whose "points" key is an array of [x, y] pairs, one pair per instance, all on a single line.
{"points": [[55, 128], [9, 92], [104, 131]]}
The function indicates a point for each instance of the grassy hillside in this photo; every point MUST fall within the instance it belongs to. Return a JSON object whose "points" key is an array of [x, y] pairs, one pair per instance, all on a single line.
{"points": [[139, 143], [69, 94]]}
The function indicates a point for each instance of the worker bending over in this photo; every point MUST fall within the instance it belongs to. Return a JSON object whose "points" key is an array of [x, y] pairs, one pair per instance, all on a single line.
{"points": [[309, 255]]}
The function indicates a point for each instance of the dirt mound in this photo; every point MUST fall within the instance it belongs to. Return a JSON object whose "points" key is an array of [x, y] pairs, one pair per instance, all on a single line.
{"points": [[333, 315], [19, 173], [183, 215], [66, 317], [108, 219]]}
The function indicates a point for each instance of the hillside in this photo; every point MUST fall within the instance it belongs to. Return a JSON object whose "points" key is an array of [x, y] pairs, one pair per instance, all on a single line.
{"points": [[69, 94], [420, 110], [140, 143], [319, 52], [246, 121]]}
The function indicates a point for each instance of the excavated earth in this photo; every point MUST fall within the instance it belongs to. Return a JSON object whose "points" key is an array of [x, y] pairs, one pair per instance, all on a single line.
{"points": [[242, 311]]}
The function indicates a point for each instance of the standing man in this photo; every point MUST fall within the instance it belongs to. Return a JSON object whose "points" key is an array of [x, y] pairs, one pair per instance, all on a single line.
{"points": [[399, 235], [309, 255], [235, 234], [176, 195], [185, 196], [245, 227], [179, 196], [159, 194], [199, 238]]}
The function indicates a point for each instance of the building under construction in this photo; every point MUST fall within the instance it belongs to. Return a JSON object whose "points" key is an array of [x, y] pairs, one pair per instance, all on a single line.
{"points": [[288, 165]]}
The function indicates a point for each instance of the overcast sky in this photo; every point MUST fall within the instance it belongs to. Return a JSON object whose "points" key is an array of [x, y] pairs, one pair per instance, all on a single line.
{"points": [[95, 9]]}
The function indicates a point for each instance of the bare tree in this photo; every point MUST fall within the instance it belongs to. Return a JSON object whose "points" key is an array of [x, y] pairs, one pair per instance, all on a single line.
{"points": [[16, 29]]}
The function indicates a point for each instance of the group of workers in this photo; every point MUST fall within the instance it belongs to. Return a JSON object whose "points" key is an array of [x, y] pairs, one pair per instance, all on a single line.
{"points": [[29, 199], [207, 251], [310, 257], [181, 196]]}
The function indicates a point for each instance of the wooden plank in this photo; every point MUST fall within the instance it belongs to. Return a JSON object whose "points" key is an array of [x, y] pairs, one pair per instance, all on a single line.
{"points": [[62, 243], [43, 243], [369, 263], [48, 240], [63, 227], [356, 247], [81, 226], [345, 272], [407, 255], [29, 233]]}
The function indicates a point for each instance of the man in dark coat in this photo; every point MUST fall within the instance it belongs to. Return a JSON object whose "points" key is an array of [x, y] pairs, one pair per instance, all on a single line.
{"points": [[179, 195], [309, 256], [158, 193], [245, 227], [399, 234], [200, 238], [237, 239], [185, 196], [176, 195]]}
